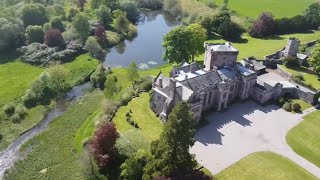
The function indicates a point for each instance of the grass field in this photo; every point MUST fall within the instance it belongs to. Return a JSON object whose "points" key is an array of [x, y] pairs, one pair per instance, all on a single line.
{"points": [[258, 48], [304, 105], [11, 131], [54, 148], [150, 125], [15, 79], [310, 77], [264, 165], [304, 138], [280, 8]]}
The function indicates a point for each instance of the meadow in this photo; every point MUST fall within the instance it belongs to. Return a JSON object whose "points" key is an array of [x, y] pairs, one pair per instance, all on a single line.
{"points": [[264, 165], [304, 138]]}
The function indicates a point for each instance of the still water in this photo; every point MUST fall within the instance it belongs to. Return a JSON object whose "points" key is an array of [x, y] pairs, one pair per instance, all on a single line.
{"points": [[145, 49]]}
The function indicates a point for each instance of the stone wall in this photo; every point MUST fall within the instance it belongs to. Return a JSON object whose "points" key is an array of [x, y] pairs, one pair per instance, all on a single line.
{"points": [[283, 72]]}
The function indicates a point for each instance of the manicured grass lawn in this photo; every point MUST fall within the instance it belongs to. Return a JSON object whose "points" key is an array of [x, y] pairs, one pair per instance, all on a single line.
{"points": [[258, 48], [280, 8], [15, 79], [11, 131], [264, 165], [304, 138], [150, 125], [309, 76], [304, 105], [54, 148]]}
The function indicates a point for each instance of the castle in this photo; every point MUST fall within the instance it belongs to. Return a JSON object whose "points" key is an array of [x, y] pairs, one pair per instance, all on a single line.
{"points": [[220, 82]]}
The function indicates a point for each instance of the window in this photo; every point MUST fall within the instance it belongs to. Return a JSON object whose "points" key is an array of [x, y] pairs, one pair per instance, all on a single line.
{"points": [[209, 100], [205, 99], [225, 95], [232, 88]]}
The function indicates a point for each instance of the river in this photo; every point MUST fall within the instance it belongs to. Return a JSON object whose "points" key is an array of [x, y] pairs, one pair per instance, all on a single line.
{"points": [[146, 47], [9, 156]]}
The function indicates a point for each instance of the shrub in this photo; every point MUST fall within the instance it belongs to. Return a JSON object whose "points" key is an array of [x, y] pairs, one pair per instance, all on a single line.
{"points": [[281, 101], [287, 106], [291, 62], [16, 118], [21, 110], [113, 38], [128, 114], [132, 122], [1, 137], [29, 99], [298, 78], [296, 107], [8, 109], [136, 125], [34, 34], [53, 38], [150, 4], [128, 119], [264, 26]]}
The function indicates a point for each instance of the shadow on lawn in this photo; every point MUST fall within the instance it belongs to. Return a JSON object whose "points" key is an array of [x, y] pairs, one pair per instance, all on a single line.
{"points": [[235, 113]]}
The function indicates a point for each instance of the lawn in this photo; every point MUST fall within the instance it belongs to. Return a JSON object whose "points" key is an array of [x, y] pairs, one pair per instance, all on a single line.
{"points": [[258, 48], [150, 125], [54, 148], [280, 8], [304, 138], [310, 77], [264, 165], [15, 79], [11, 131], [304, 105]]}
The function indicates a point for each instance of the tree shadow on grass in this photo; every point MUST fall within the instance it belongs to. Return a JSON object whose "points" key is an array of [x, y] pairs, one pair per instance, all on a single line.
{"points": [[8, 57]]}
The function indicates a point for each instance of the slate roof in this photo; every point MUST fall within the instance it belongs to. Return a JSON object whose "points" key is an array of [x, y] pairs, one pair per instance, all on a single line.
{"points": [[225, 47]]}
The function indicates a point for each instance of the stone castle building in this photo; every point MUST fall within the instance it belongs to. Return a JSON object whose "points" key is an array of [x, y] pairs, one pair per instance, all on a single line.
{"points": [[220, 82]]}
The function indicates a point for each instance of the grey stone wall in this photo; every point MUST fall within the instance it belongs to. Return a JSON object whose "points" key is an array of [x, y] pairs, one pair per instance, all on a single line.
{"points": [[283, 72]]}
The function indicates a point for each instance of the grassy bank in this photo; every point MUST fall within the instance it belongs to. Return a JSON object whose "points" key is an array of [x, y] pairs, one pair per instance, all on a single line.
{"points": [[53, 149], [264, 165], [304, 138], [258, 48]]}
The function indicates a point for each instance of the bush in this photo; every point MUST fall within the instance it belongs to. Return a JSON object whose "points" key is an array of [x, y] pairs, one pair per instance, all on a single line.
{"points": [[136, 125], [128, 114], [113, 38], [29, 99], [150, 4], [298, 78], [21, 110], [296, 107], [132, 122], [287, 107], [291, 62], [16, 118], [9, 109], [264, 26], [1, 137], [281, 101]]}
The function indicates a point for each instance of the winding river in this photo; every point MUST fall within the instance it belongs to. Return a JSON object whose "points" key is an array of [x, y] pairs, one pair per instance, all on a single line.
{"points": [[146, 47], [9, 156]]}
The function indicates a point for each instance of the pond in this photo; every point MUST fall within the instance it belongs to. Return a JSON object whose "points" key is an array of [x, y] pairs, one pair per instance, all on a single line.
{"points": [[145, 49]]}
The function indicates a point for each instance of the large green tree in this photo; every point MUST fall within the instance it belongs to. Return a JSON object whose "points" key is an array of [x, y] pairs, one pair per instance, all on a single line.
{"points": [[312, 15], [11, 35], [104, 15], [170, 154], [81, 24], [121, 22], [132, 71], [315, 59], [34, 14], [199, 35], [177, 44], [34, 34]]}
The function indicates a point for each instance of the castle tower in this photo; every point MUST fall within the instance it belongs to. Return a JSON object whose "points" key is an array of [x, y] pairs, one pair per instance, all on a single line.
{"points": [[292, 47]]}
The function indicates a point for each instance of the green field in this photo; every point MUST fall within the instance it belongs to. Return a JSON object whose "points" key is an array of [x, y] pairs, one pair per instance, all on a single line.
{"points": [[304, 138], [304, 105], [310, 77], [259, 48], [15, 79], [150, 125], [264, 165], [54, 148], [280, 8]]}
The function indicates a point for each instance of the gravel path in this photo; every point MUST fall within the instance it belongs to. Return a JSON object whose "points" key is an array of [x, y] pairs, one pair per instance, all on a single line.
{"points": [[245, 129]]}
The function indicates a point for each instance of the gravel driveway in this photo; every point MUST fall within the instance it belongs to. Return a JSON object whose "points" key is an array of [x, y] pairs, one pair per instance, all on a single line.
{"points": [[244, 129]]}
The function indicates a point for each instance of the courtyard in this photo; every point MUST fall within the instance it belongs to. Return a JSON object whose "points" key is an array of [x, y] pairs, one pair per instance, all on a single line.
{"points": [[244, 129]]}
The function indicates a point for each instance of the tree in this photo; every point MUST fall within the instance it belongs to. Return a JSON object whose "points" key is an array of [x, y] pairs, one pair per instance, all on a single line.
{"points": [[121, 23], [103, 145], [312, 15], [53, 38], [81, 4], [56, 23], [8, 109], [98, 77], [130, 142], [57, 81], [34, 14], [131, 8], [206, 22], [110, 87], [132, 71], [315, 59], [81, 25], [230, 30], [100, 34], [199, 35], [264, 26], [170, 154], [296, 107], [218, 19], [11, 35], [104, 15], [177, 44], [34, 34], [93, 46], [132, 168]]}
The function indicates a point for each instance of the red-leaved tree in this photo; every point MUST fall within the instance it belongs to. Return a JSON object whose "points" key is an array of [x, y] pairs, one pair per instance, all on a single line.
{"points": [[53, 38], [264, 26], [103, 145], [100, 33]]}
